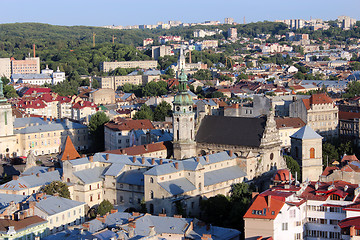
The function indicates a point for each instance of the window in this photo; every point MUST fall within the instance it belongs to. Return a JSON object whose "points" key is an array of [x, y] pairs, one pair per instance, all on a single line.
{"points": [[312, 152], [298, 236], [292, 213], [151, 195], [91, 198], [334, 197], [151, 180], [284, 226]]}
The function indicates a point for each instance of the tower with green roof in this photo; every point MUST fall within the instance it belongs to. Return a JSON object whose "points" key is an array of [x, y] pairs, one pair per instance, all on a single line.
{"points": [[183, 121]]}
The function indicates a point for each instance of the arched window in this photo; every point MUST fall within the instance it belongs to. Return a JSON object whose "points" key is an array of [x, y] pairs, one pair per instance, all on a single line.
{"points": [[151, 180], [68, 179], [151, 195], [312, 152]]}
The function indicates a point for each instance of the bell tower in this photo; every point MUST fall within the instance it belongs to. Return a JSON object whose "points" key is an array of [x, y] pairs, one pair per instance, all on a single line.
{"points": [[183, 122]]}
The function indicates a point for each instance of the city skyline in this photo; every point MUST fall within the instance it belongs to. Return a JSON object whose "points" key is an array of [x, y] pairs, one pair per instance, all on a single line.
{"points": [[110, 12]]}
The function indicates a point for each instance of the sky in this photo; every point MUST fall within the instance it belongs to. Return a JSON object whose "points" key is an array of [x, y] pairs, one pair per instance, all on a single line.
{"points": [[135, 12]]}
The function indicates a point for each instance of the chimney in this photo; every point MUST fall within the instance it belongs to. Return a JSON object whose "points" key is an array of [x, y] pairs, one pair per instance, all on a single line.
{"points": [[153, 161], [113, 211], [135, 214], [142, 160], [51, 169], [91, 158], [83, 155], [177, 165], [177, 216], [51, 118], [15, 177], [133, 159], [34, 50], [68, 157], [162, 215], [107, 157], [197, 159], [45, 118], [38, 174], [146, 148], [207, 158], [231, 153], [161, 161], [170, 161]]}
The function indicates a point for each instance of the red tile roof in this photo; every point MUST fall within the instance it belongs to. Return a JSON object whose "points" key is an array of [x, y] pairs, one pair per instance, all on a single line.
{"points": [[36, 104], [349, 158], [320, 98], [69, 152], [120, 124], [20, 224], [329, 170], [325, 189], [139, 150], [84, 104], [282, 175], [287, 122], [350, 222], [348, 115], [37, 90]]}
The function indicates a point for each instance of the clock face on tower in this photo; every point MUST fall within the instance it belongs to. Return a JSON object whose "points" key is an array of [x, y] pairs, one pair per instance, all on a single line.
{"points": [[178, 108]]}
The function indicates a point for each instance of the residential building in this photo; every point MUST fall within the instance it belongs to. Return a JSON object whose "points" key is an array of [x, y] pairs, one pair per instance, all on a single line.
{"points": [[161, 51], [287, 127], [59, 212], [157, 150], [346, 22], [33, 227], [5, 67], [118, 132], [108, 66], [232, 33], [311, 210], [31, 65], [114, 82], [83, 110], [229, 20], [148, 41], [102, 96], [349, 125], [319, 112]]}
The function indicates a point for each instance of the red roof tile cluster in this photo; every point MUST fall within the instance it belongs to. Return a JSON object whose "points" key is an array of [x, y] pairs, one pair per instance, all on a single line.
{"points": [[282, 175], [121, 124], [84, 104], [315, 99], [350, 222], [348, 115], [140, 150], [30, 91], [288, 122], [349, 158], [329, 170], [322, 190]]}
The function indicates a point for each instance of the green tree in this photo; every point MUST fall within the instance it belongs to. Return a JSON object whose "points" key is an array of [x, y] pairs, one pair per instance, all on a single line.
{"points": [[353, 90], [329, 153], [104, 207], [5, 80], [57, 187], [293, 166], [145, 112], [161, 111], [198, 89], [9, 91], [216, 209], [96, 127], [202, 74]]}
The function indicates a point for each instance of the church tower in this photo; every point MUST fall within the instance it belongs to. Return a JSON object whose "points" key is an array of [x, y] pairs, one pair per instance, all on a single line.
{"points": [[181, 62], [7, 137], [306, 148], [183, 122]]}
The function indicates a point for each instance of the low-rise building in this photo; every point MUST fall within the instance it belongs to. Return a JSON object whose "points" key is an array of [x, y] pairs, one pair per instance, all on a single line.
{"points": [[27, 228], [108, 66], [288, 126]]}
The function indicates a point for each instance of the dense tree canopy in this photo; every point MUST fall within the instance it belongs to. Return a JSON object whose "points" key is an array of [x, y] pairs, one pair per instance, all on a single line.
{"points": [[104, 207], [96, 127], [57, 187]]}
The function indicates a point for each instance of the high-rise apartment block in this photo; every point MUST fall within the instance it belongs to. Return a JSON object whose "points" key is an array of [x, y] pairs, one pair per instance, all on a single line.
{"points": [[232, 33], [10, 66], [229, 21]]}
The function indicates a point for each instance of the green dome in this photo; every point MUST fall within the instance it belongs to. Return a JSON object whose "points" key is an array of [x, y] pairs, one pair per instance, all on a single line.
{"points": [[183, 99]]}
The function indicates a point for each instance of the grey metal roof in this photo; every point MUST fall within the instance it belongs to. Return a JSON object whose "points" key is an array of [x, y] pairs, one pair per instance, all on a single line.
{"points": [[30, 76], [79, 161], [117, 218], [223, 175], [50, 126], [114, 170], [90, 175], [35, 170], [177, 186], [306, 132], [168, 225], [127, 159], [133, 177], [22, 122], [190, 164], [30, 181], [53, 205], [5, 199]]}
